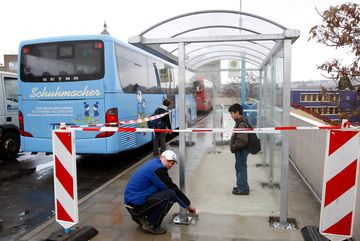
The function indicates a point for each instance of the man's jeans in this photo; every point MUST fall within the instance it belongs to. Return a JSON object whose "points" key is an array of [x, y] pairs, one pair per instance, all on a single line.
{"points": [[241, 170], [159, 137], [155, 208]]}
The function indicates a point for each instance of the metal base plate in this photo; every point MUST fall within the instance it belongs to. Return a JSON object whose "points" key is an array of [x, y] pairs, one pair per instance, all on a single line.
{"points": [[273, 185], [289, 225], [187, 220]]}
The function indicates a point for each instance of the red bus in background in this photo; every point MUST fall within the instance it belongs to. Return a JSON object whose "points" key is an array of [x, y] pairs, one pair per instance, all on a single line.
{"points": [[204, 93]]}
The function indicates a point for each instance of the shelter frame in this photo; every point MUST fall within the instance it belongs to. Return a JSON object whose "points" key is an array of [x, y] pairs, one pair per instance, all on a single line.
{"points": [[265, 51]]}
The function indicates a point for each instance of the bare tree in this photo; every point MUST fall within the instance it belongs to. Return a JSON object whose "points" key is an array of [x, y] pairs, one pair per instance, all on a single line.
{"points": [[340, 29]]}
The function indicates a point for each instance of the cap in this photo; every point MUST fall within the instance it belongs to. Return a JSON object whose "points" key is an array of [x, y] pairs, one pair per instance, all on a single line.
{"points": [[169, 155]]}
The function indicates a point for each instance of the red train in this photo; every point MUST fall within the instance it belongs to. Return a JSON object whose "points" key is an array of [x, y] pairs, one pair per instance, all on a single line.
{"points": [[204, 94]]}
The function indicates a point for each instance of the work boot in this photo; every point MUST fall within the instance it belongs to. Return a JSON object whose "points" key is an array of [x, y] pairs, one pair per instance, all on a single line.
{"points": [[237, 192], [138, 220], [148, 228], [158, 230]]}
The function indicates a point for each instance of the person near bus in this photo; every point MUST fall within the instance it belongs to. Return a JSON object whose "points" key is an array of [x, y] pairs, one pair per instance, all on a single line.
{"points": [[150, 193], [162, 123], [238, 144]]}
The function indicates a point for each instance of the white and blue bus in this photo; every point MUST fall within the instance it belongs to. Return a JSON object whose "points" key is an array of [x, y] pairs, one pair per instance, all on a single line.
{"points": [[94, 79]]}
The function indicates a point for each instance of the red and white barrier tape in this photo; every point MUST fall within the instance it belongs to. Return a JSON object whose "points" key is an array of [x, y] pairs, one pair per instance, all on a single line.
{"points": [[126, 122], [214, 130], [110, 127]]}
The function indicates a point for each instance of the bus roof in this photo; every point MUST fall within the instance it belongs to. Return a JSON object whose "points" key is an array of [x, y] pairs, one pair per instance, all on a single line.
{"points": [[66, 38], [103, 37]]}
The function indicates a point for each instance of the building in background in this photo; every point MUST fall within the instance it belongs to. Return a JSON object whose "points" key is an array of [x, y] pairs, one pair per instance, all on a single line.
{"points": [[10, 63], [331, 105]]}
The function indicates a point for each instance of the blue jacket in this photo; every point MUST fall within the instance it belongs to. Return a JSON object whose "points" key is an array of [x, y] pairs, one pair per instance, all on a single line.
{"points": [[150, 178]]}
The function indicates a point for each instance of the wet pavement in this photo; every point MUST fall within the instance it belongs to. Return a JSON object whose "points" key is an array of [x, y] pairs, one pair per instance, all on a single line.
{"points": [[22, 211], [210, 177], [26, 186]]}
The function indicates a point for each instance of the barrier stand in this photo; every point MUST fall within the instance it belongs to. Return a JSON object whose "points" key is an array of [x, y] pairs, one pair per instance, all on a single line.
{"points": [[65, 188], [339, 187]]}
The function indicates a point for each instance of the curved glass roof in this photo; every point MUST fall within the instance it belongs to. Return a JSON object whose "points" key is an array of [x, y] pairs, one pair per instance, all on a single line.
{"points": [[214, 35]]}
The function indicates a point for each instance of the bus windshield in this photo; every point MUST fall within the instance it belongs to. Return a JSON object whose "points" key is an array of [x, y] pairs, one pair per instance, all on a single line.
{"points": [[62, 61]]}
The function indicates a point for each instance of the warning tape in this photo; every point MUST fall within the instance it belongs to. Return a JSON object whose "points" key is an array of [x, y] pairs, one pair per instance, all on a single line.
{"points": [[214, 130], [126, 122], [110, 127]]}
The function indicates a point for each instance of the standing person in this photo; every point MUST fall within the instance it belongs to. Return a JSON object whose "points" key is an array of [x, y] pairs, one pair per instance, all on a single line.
{"points": [[162, 123], [238, 144], [150, 193]]}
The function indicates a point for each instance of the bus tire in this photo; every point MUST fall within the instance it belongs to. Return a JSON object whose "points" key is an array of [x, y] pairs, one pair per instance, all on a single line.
{"points": [[11, 145]]}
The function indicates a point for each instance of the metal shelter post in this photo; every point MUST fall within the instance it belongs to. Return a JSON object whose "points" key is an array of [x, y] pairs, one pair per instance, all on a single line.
{"points": [[183, 218], [264, 117], [214, 114], [243, 82], [272, 122], [215, 111], [285, 142]]}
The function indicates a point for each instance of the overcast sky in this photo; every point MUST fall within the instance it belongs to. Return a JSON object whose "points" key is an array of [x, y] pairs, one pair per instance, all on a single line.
{"points": [[23, 20]]}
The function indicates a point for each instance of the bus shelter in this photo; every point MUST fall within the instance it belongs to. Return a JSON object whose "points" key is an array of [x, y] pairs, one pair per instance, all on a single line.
{"points": [[197, 39]]}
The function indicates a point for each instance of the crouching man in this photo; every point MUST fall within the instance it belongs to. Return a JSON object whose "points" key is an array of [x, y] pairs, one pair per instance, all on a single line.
{"points": [[150, 193]]}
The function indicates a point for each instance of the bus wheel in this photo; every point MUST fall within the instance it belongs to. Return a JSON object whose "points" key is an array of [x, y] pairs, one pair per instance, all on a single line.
{"points": [[11, 145]]}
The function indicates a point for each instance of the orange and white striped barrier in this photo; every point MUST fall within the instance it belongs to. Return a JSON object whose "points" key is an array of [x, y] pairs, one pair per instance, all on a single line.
{"points": [[339, 185], [65, 178]]}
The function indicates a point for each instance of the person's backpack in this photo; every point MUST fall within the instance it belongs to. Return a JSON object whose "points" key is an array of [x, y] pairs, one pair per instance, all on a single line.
{"points": [[253, 146], [157, 123]]}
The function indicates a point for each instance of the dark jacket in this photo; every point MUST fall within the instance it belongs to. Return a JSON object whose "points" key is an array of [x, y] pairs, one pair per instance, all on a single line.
{"points": [[238, 141], [165, 119], [150, 178]]}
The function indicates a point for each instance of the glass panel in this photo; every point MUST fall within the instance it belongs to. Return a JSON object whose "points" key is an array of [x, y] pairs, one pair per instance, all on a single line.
{"points": [[279, 88], [278, 96]]}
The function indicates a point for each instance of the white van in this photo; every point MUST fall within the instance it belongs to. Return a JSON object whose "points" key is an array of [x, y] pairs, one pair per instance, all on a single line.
{"points": [[9, 123]]}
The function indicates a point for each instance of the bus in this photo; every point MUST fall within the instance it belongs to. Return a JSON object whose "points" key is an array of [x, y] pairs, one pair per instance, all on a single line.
{"points": [[92, 79], [9, 130], [204, 94]]}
